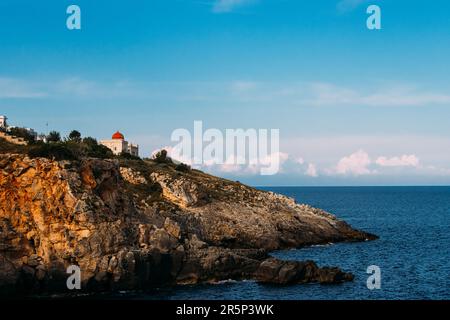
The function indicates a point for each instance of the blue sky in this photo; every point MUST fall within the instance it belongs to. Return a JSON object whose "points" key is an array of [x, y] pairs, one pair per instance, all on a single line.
{"points": [[354, 106]]}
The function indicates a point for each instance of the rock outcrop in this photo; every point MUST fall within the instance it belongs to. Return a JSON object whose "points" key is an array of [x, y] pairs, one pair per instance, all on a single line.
{"points": [[274, 271], [137, 224]]}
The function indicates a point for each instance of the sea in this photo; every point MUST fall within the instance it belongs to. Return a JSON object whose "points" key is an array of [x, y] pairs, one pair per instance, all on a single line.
{"points": [[412, 254]]}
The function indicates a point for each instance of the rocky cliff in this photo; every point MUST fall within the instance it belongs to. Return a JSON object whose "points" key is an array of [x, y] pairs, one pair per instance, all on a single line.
{"points": [[138, 224]]}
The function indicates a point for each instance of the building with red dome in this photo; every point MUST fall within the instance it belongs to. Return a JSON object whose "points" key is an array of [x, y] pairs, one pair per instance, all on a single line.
{"points": [[119, 145], [118, 136]]}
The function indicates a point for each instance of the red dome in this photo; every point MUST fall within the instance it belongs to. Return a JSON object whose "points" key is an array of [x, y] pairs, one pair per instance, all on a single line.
{"points": [[118, 136]]}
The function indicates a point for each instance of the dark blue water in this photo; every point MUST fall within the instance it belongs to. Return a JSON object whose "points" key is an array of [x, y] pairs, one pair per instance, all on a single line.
{"points": [[413, 251]]}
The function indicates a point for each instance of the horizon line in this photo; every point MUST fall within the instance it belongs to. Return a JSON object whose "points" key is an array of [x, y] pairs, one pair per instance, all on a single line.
{"points": [[353, 186]]}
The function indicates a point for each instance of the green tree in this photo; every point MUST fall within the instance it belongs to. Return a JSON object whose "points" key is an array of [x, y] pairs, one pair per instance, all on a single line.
{"points": [[90, 141], [54, 136], [95, 150], [75, 136]]}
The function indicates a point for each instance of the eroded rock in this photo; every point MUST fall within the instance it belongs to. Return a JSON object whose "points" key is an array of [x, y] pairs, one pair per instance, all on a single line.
{"points": [[132, 228], [274, 271]]}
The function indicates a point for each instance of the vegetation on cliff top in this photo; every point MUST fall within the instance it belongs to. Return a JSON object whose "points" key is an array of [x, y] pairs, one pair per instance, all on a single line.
{"points": [[72, 147], [75, 147]]}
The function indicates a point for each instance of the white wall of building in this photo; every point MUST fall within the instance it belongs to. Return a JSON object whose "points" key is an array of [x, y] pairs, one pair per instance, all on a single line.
{"points": [[3, 123], [115, 145], [118, 146]]}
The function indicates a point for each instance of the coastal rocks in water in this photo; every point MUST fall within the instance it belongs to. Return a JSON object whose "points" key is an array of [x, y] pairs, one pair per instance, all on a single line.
{"points": [[275, 271], [214, 264], [134, 224]]}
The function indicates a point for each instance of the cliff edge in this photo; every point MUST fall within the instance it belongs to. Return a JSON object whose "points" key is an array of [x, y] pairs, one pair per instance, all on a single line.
{"points": [[135, 224]]}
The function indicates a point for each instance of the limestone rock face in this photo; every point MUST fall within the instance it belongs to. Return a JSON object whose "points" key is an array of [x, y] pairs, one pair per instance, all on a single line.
{"points": [[131, 176], [234, 215], [138, 224], [179, 189]]}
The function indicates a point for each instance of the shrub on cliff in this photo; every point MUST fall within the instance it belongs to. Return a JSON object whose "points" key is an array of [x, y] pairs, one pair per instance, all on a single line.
{"points": [[70, 150], [127, 156], [21, 133], [7, 147], [54, 136], [92, 149], [161, 157], [75, 136], [182, 167], [56, 151]]}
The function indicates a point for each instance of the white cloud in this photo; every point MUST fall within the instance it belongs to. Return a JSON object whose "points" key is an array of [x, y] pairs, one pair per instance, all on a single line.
{"points": [[62, 87], [172, 154], [349, 5], [429, 148], [287, 164], [254, 166], [323, 94], [311, 170], [243, 86], [224, 6], [77, 86], [17, 89], [402, 161], [355, 164], [360, 163], [404, 98], [230, 165], [314, 94]]}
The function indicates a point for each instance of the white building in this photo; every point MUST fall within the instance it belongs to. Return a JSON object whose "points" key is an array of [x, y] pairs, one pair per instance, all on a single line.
{"points": [[9, 129], [3, 123], [31, 131], [118, 144], [41, 137]]}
